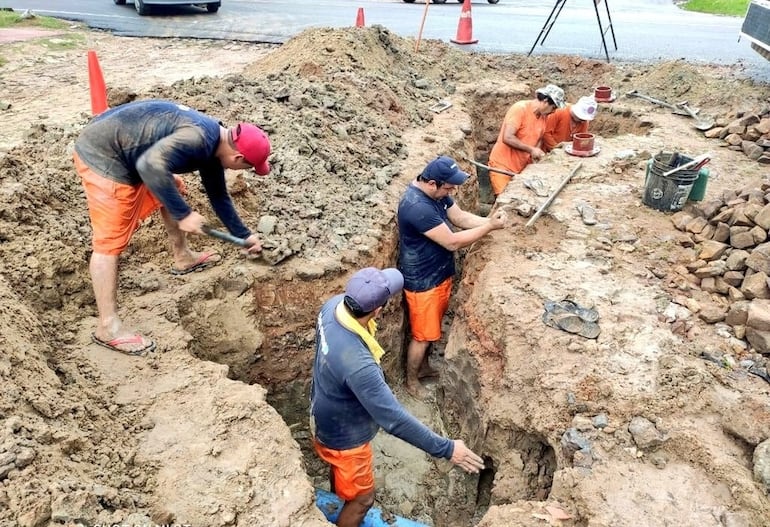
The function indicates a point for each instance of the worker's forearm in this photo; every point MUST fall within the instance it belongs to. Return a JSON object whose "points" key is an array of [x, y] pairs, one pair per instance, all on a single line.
{"points": [[465, 238]]}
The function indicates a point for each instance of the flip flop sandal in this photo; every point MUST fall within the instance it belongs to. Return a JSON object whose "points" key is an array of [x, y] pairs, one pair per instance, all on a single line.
{"points": [[120, 341], [537, 186], [587, 213], [572, 323], [204, 261], [589, 314]]}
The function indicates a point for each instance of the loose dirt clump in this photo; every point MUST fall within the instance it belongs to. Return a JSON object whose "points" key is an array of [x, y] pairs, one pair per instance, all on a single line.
{"points": [[632, 428]]}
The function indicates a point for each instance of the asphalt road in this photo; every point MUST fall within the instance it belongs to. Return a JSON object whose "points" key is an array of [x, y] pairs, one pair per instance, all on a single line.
{"points": [[645, 30]]}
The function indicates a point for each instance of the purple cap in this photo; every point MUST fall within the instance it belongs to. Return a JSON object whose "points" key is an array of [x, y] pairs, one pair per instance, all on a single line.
{"points": [[444, 169], [371, 287]]}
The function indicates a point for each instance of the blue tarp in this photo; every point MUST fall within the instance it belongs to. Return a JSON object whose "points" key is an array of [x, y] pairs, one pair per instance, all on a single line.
{"points": [[331, 505]]}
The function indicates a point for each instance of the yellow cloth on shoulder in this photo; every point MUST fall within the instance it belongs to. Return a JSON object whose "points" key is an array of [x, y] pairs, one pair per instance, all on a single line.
{"points": [[367, 334]]}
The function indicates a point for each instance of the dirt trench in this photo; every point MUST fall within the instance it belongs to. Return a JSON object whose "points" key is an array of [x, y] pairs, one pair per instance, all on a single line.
{"points": [[91, 437]]}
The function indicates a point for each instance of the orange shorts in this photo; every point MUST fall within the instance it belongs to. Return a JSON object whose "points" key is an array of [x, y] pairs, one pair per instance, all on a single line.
{"points": [[353, 469], [498, 182], [115, 208], [426, 309]]}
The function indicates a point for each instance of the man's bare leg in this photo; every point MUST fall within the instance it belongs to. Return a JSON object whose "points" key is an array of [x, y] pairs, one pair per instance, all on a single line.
{"points": [[183, 256], [104, 277], [353, 512], [416, 353]]}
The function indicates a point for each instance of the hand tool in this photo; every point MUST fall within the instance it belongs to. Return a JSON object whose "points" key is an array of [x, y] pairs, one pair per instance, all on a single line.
{"points": [[701, 123], [226, 236], [664, 104], [500, 170], [698, 161]]}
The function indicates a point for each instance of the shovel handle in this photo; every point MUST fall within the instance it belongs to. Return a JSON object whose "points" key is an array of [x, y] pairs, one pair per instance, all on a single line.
{"points": [[226, 236]]}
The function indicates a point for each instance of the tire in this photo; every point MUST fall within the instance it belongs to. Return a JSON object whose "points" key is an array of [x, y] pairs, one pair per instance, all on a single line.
{"points": [[439, 1], [213, 8], [409, 1], [493, 1], [141, 8], [119, 2]]}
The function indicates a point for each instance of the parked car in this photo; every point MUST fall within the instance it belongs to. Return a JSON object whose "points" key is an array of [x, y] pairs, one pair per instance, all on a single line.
{"points": [[143, 6]]}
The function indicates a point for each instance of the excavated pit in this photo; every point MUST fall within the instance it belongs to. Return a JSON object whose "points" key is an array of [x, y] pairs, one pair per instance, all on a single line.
{"points": [[520, 464]]}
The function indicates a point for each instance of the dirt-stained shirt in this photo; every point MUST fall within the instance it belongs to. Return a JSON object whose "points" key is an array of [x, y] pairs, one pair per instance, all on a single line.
{"points": [[528, 128], [150, 141], [349, 398], [423, 262], [560, 128]]}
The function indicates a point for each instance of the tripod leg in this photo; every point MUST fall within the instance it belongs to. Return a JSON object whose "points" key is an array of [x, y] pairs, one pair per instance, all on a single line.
{"points": [[601, 30], [554, 19], [547, 25], [612, 30]]}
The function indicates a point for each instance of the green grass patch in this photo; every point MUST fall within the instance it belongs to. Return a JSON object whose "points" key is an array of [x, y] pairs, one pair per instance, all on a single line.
{"points": [[13, 19], [718, 7]]}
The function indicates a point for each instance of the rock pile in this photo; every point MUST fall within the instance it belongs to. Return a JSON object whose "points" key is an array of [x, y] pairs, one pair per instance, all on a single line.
{"points": [[749, 133], [733, 260]]}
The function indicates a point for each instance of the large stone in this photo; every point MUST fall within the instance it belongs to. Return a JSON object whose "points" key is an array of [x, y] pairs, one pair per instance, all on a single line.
{"points": [[681, 219], [755, 286], [738, 313], [716, 268], [763, 126], [734, 140], [711, 134], [725, 216], [645, 434], [759, 339], [758, 314], [712, 250], [721, 232], [741, 239], [758, 261], [763, 217], [759, 234], [709, 209], [737, 260], [752, 150], [762, 464], [733, 278], [696, 225]]}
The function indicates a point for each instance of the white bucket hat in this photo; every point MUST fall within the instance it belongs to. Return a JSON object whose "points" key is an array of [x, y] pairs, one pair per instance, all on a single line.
{"points": [[585, 108]]}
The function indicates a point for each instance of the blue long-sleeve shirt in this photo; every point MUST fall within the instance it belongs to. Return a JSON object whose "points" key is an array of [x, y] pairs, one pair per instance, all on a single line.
{"points": [[350, 399], [150, 141]]}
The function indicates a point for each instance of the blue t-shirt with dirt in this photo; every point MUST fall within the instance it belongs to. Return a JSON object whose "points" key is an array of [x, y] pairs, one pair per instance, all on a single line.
{"points": [[423, 262]]}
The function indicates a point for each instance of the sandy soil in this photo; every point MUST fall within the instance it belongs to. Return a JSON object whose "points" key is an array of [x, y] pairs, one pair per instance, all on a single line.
{"points": [[212, 430]]}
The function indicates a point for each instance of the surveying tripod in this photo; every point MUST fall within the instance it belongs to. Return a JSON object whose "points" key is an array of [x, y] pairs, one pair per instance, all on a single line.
{"points": [[555, 14]]}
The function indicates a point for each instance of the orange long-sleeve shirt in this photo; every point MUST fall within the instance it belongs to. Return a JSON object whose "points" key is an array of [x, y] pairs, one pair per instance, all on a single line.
{"points": [[559, 128], [529, 128]]}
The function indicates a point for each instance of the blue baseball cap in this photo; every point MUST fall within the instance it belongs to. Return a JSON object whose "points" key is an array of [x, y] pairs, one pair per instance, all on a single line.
{"points": [[444, 169], [371, 288]]}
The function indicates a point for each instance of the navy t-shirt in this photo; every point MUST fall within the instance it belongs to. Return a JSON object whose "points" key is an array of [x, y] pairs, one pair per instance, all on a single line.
{"points": [[149, 141], [423, 262], [349, 398]]}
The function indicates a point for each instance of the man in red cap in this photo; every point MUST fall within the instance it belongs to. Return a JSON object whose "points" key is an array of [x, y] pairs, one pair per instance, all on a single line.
{"points": [[127, 158]]}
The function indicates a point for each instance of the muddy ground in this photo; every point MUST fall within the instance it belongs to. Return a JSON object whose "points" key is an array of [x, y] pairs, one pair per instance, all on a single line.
{"points": [[632, 428]]}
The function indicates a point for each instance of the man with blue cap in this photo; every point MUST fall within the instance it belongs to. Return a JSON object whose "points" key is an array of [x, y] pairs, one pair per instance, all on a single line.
{"points": [[350, 400], [431, 227]]}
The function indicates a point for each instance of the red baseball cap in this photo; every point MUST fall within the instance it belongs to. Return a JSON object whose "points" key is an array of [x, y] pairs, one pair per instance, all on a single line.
{"points": [[253, 144]]}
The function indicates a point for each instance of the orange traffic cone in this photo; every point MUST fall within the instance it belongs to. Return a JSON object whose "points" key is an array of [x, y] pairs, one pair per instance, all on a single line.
{"points": [[96, 85], [465, 26], [360, 17]]}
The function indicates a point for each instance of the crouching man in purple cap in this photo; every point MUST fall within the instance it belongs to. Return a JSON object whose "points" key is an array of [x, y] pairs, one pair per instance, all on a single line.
{"points": [[350, 400]]}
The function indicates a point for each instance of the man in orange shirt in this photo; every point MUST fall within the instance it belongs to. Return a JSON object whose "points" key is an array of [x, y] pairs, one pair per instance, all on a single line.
{"points": [[520, 139], [562, 124]]}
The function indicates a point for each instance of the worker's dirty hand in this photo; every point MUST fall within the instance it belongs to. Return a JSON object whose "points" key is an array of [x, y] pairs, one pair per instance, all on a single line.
{"points": [[498, 220], [193, 222], [254, 246], [465, 458], [537, 154]]}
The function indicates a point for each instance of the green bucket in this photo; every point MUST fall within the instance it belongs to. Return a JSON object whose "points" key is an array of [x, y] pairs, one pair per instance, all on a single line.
{"points": [[699, 187]]}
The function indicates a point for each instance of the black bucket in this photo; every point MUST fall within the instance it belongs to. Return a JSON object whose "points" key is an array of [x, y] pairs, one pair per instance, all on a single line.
{"points": [[668, 193]]}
